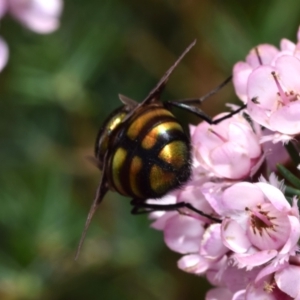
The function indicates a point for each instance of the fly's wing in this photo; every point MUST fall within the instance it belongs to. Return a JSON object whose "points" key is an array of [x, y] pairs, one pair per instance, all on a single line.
{"points": [[101, 191], [155, 93], [128, 101]]}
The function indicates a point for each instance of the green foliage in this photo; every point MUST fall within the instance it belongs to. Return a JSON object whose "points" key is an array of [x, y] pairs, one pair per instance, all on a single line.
{"points": [[289, 176], [56, 91]]}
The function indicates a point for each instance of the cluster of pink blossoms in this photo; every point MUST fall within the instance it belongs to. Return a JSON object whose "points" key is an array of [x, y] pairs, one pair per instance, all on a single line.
{"points": [[41, 16], [249, 249]]}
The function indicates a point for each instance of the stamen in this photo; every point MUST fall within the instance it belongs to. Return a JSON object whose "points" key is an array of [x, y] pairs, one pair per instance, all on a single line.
{"points": [[258, 56], [282, 94], [262, 216], [269, 287], [218, 135], [259, 217]]}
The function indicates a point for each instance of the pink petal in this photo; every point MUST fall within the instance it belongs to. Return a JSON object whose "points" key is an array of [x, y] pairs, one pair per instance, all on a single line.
{"points": [[4, 53], [193, 263], [234, 237], [255, 259], [183, 234], [264, 92], [200, 133], [240, 295], [216, 271], [288, 280], [298, 34], [218, 294], [266, 54], [241, 72], [212, 245], [3, 7], [38, 15], [242, 195], [258, 293], [284, 53], [262, 87], [213, 193], [292, 241], [193, 194], [256, 164], [275, 154], [192, 129], [259, 114], [295, 211], [288, 69], [238, 279], [160, 223], [266, 271], [243, 135], [287, 45], [275, 196], [227, 149], [286, 119], [230, 161], [297, 50]]}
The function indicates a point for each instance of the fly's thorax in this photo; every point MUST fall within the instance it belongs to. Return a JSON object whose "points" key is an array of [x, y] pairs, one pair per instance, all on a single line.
{"points": [[150, 154]]}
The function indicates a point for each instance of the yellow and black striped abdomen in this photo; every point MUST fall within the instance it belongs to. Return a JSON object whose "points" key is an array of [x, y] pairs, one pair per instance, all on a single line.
{"points": [[151, 155]]}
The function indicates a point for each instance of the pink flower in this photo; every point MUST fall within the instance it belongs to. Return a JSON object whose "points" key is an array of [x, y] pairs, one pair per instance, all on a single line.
{"points": [[260, 226], [274, 283], [247, 244], [230, 280], [185, 232], [268, 83], [277, 282], [41, 16], [242, 70], [288, 280], [4, 54], [210, 254], [195, 263], [275, 91], [264, 54], [229, 149]]}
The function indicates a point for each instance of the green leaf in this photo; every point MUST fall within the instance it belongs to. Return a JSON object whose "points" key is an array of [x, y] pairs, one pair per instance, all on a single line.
{"points": [[290, 191], [293, 152], [294, 180]]}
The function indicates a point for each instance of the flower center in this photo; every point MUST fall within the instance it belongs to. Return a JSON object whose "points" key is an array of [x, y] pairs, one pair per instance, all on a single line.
{"points": [[269, 286], [285, 97], [268, 227], [260, 219]]}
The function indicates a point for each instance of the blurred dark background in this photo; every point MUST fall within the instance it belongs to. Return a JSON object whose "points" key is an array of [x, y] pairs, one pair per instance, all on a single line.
{"points": [[54, 95]]}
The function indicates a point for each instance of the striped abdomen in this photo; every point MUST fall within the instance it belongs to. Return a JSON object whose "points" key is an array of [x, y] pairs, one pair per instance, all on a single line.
{"points": [[151, 154]]}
